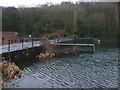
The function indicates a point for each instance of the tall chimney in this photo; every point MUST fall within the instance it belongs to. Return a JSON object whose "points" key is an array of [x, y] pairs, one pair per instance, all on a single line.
{"points": [[75, 21]]}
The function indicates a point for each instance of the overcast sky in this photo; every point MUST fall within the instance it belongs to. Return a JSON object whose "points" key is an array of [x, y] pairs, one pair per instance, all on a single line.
{"points": [[28, 3], [17, 3]]}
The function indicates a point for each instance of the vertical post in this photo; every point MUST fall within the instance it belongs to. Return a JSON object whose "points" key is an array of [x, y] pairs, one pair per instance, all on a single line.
{"points": [[9, 50], [15, 40], [3, 40], [75, 21], [74, 37], [32, 41], [22, 40], [39, 42], [8, 45], [12, 40], [57, 39], [65, 37]]}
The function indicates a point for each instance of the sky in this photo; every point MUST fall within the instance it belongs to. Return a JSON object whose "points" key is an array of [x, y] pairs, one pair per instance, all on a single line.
{"points": [[17, 3], [29, 3]]}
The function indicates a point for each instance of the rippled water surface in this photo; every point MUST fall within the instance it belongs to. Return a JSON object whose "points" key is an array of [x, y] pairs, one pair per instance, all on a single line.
{"points": [[82, 71]]}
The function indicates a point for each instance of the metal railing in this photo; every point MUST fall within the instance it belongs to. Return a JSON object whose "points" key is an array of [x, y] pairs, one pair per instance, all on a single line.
{"points": [[23, 44]]}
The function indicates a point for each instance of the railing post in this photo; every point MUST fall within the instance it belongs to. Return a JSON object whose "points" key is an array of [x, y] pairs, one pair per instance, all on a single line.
{"points": [[22, 40], [8, 45], [39, 41], [15, 40], [9, 50], [3, 40], [32, 41]]}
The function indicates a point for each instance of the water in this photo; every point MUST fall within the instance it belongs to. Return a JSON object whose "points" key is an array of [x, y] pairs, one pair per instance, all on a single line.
{"points": [[82, 71]]}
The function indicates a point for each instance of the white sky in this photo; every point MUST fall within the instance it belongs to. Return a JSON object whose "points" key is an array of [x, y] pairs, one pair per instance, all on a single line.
{"points": [[17, 3], [28, 3]]}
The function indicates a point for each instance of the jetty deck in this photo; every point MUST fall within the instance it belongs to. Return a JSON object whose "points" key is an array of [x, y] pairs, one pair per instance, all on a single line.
{"points": [[62, 47], [83, 44], [69, 44], [19, 46]]}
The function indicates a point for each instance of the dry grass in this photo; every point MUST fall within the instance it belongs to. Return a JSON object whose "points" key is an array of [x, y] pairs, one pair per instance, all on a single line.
{"points": [[9, 70]]}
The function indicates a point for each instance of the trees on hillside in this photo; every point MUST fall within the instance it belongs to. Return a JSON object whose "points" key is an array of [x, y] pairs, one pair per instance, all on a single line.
{"points": [[93, 19], [10, 19]]}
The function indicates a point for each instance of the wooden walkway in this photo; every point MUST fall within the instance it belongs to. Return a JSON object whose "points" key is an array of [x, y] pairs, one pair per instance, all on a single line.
{"points": [[69, 44], [72, 44]]}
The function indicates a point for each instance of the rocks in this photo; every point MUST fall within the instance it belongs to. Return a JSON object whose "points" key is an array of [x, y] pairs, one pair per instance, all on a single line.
{"points": [[48, 48], [46, 55], [9, 70]]}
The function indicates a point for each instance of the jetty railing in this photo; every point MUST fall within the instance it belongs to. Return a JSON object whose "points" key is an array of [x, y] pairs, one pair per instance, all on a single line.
{"points": [[23, 44], [84, 44]]}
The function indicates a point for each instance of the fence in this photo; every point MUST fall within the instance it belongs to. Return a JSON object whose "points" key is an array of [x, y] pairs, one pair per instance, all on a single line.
{"points": [[23, 44]]}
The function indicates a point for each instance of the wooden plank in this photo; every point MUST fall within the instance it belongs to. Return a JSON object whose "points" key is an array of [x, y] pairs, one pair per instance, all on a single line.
{"points": [[68, 44]]}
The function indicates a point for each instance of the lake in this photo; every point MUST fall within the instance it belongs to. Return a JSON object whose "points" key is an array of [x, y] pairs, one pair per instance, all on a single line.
{"points": [[96, 70]]}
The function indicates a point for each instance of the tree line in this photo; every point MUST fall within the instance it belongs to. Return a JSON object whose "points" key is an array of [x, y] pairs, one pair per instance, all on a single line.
{"points": [[94, 19]]}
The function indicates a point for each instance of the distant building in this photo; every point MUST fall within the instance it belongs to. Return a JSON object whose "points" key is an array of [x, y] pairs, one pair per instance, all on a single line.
{"points": [[13, 36]]}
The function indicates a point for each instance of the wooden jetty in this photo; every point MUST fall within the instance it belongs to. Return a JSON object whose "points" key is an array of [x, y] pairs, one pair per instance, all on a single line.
{"points": [[63, 47]]}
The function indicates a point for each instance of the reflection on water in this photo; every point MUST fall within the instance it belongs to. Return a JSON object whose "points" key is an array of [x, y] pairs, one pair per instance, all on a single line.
{"points": [[81, 71]]}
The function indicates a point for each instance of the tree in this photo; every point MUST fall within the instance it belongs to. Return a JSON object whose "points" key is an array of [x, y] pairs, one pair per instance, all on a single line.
{"points": [[11, 19]]}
